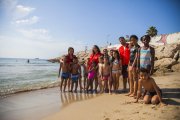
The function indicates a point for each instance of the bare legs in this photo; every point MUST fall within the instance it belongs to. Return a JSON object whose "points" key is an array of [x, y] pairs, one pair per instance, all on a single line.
{"points": [[61, 84], [116, 81], [148, 99]]}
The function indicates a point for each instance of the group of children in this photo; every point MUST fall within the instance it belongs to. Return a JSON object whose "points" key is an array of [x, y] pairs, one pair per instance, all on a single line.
{"points": [[109, 69]]}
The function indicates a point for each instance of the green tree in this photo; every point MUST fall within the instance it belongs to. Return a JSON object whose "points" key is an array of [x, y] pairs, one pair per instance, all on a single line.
{"points": [[152, 31]]}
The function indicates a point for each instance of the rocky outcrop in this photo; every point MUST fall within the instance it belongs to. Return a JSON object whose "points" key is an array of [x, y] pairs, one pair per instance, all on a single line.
{"points": [[176, 68], [167, 58], [164, 63], [167, 51]]}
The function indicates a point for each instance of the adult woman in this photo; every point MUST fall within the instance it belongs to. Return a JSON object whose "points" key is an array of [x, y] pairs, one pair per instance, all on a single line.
{"points": [[94, 57]]}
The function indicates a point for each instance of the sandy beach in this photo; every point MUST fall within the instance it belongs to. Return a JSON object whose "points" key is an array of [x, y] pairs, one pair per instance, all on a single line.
{"points": [[119, 107], [50, 104]]}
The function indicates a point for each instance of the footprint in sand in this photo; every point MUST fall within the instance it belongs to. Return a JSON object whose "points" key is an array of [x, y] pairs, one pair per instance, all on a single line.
{"points": [[135, 112], [154, 107]]}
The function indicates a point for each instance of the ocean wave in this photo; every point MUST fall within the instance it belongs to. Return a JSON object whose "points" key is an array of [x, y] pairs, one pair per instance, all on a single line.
{"points": [[28, 87]]}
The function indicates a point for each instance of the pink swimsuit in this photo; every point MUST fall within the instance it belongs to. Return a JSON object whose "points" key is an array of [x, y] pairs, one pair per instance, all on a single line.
{"points": [[91, 75]]}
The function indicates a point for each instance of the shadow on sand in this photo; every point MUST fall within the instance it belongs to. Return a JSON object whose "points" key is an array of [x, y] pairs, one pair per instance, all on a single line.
{"points": [[169, 94]]}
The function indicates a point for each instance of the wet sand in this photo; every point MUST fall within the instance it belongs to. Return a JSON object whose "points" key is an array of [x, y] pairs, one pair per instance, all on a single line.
{"points": [[50, 104], [36, 105]]}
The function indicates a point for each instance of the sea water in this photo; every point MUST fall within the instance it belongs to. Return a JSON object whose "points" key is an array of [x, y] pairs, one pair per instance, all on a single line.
{"points": [[19, 75]]}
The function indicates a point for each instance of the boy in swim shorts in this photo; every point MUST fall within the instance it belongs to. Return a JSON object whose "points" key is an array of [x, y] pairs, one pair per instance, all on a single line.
{"points": [[64, 68], [153, 93], [75, 74]]}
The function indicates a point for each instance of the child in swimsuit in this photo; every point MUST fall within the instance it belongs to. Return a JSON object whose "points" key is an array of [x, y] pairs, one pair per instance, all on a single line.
{"points": [[106, 75], [75, 74], [116, 70], [84, 73], [64, 68], [100, 64], [152, 92], [132, 67], [91, 75], [146, 55]]}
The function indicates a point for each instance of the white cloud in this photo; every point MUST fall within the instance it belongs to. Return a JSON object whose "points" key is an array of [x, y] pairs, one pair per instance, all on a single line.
{"points": [[22, 11], [36, 34], [29, 21]]}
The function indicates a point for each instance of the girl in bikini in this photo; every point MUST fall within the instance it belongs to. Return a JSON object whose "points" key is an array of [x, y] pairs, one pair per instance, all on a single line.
{"points": [[116, 69]]}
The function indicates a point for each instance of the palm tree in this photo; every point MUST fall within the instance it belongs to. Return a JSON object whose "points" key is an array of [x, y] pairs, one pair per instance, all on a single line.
{"points": [[152, 31]]}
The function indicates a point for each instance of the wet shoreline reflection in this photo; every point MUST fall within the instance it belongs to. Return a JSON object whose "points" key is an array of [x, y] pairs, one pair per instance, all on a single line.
{"points": [[68, 97]]}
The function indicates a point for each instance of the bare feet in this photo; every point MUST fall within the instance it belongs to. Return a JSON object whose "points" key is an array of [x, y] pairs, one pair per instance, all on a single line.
{"points": [[132, 95], [128, 94], [162, 104], [136, 101], [101, 92]]}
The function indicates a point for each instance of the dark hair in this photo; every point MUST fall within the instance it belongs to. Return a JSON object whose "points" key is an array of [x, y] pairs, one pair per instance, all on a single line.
{"points": [[105, 50], [101, 57], [133, 36], [70, 49], [121, 38], [145, 37], [106, 57], [118, 56], [111, 50], [97, 49], [144, 70], [75, 58]]}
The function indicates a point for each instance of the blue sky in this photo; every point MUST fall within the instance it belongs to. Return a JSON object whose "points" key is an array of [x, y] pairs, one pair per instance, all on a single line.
{"points": [[46, 28]]}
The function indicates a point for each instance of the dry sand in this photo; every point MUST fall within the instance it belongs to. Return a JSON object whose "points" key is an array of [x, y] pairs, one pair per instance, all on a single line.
{"points": [[120, 107]]}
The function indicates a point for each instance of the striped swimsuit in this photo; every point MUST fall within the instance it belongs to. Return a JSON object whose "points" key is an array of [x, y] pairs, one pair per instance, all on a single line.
{"points": [[145, 58]]}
